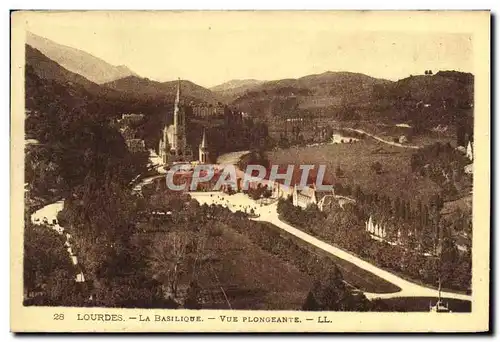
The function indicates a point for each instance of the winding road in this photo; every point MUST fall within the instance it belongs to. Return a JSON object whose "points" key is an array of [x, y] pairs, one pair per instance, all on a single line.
{"points": [[383, 140], [49, 213], [269, 214]]}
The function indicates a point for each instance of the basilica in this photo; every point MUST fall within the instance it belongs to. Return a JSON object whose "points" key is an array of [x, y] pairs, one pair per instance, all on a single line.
{"points": [[173, 146]]}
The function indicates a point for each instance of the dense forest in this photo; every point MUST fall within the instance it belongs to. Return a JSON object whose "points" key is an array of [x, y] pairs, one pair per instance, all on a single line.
{"points": [[443, 98], [86, 161]]}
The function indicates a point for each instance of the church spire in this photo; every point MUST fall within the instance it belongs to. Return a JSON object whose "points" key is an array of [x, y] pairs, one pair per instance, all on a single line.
{"points": [[175, 143], [178, 95], [204, 140], [203, 150]]}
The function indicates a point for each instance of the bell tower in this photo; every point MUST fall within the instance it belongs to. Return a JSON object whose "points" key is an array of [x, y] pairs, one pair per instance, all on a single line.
{"points": [[203, 150], [179, 150]]}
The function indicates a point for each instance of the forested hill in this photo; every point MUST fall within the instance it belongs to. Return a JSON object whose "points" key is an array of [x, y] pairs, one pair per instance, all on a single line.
{"points": [[308, 94], [231, 90], [48, 84], [454, 87], [76, 137], [46, 68], [428, 100], [161, 91], [83, 159], [101, 100], [445, 98], [450, 89]]}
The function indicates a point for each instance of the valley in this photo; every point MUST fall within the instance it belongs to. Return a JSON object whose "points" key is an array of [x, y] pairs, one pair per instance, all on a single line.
{"points": [[395, 151]]}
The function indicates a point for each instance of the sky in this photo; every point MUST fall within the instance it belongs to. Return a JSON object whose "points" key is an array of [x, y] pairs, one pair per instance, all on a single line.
{"points": [[214, 47]]}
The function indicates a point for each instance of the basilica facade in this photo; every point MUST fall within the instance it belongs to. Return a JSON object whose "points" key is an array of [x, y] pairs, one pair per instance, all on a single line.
{"points": [[173, 146]]}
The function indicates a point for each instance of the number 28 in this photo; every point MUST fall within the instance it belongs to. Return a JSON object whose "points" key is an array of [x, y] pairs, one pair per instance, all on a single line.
{"points": [[58, 317]]}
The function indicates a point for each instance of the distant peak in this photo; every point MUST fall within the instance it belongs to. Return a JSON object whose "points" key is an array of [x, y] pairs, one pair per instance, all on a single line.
{"points": [[78, 61]]}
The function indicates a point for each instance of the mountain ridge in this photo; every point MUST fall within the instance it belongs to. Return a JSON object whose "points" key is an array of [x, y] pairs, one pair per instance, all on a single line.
{"points": [[310, 92], [78, 61], [446, 96], [155, 89], [235, 83]]}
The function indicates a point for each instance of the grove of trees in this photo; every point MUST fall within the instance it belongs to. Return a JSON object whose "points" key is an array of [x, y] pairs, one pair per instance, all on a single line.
{"points": [[416, 232]]}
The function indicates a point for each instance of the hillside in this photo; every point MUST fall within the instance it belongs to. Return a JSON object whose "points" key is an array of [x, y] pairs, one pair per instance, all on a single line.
{"points": [[54, 92], [444, 98], [231, 90], [78, 61], [232, 84], [455, 88], [52, 88], [101, 99], [73, 127], [47, 69], [309, 94], [162, 90]]}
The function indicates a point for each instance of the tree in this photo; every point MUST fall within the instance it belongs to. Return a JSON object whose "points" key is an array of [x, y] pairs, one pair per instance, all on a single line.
{"points": [[331, 294], [377, 167], [131, 291], [192, 298], [448, 259], [168, 259], [397, 207], [358, 193], [348, 190], [267, 192], [339, 172], [339, 189], [48, 269]]}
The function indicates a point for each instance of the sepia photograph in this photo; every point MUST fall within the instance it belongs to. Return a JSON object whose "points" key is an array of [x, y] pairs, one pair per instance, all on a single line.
{"points": [[250, 167]]}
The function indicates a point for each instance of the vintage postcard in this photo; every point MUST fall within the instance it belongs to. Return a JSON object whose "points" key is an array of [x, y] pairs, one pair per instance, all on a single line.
{"points": [[250, 171]]}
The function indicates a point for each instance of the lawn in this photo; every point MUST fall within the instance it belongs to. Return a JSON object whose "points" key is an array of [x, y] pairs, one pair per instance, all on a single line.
{"points": [[252, 279], [387, 131], [353, 275], [356, 159], [391, 131], [256, 279]]}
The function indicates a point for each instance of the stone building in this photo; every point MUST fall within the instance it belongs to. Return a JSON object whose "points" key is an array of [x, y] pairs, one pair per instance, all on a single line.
{"points": [[203, 150], [375, 230], [308, 195], [209, 110], [136, 145], [173, 141], [469, 151]]}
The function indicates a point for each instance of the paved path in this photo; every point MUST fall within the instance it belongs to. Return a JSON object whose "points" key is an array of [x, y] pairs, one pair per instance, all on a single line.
{"points": [[45, 216], [383, 140], [231, 158], [269, 214]]}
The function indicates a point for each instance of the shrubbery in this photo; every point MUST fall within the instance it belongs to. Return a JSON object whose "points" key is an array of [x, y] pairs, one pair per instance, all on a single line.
{"points": [[49, 275]]}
